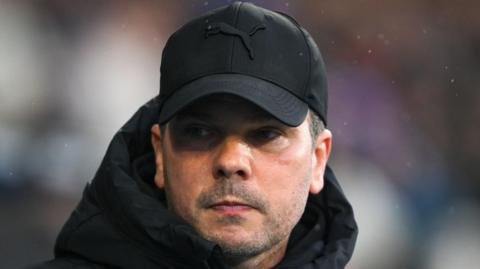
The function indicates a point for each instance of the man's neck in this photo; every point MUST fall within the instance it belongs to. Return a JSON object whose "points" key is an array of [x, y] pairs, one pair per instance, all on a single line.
{"points": [[265, 260]]}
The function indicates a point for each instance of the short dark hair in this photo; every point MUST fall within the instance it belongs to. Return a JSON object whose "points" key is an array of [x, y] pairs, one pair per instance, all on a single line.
{"points": [[316, 125]]}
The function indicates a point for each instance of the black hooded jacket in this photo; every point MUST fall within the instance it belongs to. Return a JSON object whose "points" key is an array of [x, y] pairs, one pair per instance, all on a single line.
{"points": [[122, 221]]}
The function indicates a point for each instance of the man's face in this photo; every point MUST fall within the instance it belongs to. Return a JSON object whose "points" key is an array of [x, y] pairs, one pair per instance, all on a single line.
{"points": [[240, 177]]}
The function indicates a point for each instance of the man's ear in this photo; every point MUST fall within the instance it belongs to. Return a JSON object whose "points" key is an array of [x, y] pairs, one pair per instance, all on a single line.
{"points": [[321, 152], [158, 150]]}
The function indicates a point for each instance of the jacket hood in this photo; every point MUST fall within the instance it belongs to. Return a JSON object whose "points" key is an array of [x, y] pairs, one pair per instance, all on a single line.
{"points": [[122, 220]]}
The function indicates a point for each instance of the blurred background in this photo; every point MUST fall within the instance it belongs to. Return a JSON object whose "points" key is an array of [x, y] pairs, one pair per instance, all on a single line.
{"points": [[404, 110]]}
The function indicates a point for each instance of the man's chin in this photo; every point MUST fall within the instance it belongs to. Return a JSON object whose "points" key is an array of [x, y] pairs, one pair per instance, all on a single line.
{"points": [[240, 247], [235, 234], [231, 226], [237, 242]]}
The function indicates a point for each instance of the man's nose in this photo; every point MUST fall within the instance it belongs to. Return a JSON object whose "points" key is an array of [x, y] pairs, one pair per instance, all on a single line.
{"points": [[232, 160]]}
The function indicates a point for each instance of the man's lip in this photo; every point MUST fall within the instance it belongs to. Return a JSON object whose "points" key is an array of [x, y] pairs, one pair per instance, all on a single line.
{"points": [[230, 203]]}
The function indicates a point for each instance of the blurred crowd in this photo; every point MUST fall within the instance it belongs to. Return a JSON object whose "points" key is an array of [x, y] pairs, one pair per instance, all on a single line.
{"points": [[404, 110]]}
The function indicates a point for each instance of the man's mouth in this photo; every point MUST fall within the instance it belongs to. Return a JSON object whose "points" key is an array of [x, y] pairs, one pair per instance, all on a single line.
{"points": [[230, 207]]}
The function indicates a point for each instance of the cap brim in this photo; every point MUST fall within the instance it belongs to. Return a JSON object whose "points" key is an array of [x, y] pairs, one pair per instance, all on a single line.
{"points": [[275, 100]]}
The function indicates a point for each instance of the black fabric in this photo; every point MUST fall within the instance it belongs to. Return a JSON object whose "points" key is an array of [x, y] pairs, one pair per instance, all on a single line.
{"points": [[122, 221], [245, 39], [290, 111]]}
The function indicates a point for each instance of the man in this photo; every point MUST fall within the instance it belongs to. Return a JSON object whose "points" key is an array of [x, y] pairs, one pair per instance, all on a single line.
{"points": [[227, 167]]}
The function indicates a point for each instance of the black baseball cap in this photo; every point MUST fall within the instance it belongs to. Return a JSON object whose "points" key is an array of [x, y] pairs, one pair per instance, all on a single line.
{"points": [[263, 56]]}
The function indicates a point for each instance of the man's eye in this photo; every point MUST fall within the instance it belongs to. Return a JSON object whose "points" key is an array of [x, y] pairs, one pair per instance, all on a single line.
{"points": [[193, 136], [266, 134], [197, 131]]}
